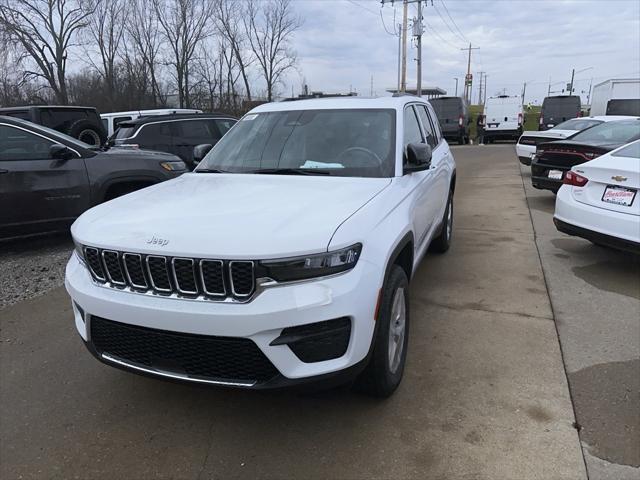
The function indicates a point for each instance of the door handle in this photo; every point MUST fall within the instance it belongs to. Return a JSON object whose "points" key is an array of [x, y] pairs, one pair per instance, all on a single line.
{"points": [[2, 170]]}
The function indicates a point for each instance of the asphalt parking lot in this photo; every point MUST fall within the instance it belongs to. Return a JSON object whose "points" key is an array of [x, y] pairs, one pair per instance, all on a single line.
{"points": [[486, 394]]}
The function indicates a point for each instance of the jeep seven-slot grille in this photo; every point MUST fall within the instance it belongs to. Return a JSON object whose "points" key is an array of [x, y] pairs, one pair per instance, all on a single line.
{"points": [[189, 277]]}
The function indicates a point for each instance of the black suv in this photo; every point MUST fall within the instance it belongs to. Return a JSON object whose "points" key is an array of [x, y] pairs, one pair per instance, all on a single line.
{"points": [[82, 123], [454, 117], [47, 179], [174, 133]]}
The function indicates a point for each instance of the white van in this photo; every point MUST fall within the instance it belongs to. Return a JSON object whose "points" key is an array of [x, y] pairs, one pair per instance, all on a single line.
{"points": [[616, 97], [111, 120], [503, 118]]}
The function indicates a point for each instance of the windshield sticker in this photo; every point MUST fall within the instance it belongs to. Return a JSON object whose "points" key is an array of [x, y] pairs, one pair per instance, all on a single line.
{"points": [[247, 118]]}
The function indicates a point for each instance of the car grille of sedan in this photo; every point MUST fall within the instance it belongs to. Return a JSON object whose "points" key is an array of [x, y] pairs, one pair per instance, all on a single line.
{"points": [[187, 277]]}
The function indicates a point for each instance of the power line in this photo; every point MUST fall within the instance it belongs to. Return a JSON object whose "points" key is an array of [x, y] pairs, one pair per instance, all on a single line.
{"points": [[454, 22], [433, 31], [353, 2], [447, 25]]}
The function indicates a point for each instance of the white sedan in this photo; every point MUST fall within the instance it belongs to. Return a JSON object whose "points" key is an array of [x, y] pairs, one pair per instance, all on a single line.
{"points": [[599, 200], [529, 140]]}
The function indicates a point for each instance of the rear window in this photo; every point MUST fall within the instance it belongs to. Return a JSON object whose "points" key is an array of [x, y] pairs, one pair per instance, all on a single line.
{"points": [[564, 107], [627, 106], [622, 131], [577, 124], [61, 119], [632, 150], [447, 107]]}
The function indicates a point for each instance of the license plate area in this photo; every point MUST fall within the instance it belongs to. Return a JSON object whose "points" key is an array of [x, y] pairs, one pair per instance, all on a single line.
{"points": [[555, 174], [619, 195]]}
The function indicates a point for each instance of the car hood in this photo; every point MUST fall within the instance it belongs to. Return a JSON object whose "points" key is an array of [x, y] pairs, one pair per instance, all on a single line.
{"points": [[137, 153], [228, 216]]}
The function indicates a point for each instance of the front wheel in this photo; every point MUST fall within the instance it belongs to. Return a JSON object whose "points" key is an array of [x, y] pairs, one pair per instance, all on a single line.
{"points": [[384, 372], [442, 242]]}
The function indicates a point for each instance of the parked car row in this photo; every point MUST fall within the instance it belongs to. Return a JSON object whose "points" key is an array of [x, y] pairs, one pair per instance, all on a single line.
{"points": [[593, 165]]}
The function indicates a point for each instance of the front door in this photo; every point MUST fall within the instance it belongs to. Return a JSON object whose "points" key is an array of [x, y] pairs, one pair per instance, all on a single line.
{"points": [[37, 193]]}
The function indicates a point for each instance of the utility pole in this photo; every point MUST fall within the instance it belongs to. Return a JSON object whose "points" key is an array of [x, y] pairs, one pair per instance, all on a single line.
{"points": [[524, 89], [417, 31], [484, 100], [573, 72], [456, 79], [549, 89], [589, 94], [403, 80], [399, 55], [468, 79]]}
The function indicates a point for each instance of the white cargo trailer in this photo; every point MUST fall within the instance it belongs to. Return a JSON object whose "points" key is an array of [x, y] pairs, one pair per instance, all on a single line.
{"points": [[616, 97]]}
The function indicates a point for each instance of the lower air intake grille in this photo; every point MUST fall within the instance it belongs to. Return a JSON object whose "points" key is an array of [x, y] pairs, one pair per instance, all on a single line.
{"points": [[199, 356]]}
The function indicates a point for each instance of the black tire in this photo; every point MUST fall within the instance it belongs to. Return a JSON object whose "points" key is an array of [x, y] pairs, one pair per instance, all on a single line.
{"points": [[442, 242], [378, 378], [88, 132]]}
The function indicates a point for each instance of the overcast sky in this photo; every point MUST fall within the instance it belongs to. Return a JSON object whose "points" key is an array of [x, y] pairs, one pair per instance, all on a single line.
{"points": [[343, 43]]}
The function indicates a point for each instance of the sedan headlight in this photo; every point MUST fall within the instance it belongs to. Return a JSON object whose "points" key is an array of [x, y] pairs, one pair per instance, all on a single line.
{"points": [[311, 266]]}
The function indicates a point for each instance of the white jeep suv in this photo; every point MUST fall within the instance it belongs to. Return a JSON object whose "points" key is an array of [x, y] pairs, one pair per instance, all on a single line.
{"points": [[284, 258]]}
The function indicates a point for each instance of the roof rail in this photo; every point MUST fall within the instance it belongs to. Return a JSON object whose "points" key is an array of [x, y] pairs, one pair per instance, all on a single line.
{"points": [[404, 94]]}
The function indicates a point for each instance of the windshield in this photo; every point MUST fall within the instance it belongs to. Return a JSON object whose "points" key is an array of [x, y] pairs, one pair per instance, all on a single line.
{"points": [[632, 150], [346, 143], [124, 131], [612, 132], [577, 124]]}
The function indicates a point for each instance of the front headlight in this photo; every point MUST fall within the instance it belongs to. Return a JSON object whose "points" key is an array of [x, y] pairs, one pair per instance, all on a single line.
{"points": [[79, 251], [174, 166], [311, 266]]}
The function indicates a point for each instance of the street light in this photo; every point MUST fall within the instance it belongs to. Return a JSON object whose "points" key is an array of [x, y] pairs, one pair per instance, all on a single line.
{"points": [[456, 79]]}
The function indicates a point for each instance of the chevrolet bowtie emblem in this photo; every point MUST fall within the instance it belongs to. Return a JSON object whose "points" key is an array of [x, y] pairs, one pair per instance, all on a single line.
{"points": [[619, 178]]}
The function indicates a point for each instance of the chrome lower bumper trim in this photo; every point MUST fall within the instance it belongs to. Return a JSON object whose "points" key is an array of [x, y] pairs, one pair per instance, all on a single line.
{"points": [[175, 376]]}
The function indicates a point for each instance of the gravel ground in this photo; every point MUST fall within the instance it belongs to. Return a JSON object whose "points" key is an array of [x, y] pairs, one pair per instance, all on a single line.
{"points": [[32, 267]]}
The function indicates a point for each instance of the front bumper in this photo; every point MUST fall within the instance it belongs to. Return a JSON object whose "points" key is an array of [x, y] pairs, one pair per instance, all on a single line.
{"points": [[606, 227], [261, 321]]}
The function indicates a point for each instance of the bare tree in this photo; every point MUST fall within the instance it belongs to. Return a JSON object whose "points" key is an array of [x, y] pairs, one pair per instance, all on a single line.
{"points": [[46, 29], [185, 23], [107, 31], [229, 14], [269, 28], [143, 34]]}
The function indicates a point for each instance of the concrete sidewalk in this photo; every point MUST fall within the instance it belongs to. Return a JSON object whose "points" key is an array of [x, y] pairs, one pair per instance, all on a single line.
{"points": [[484, 396]]}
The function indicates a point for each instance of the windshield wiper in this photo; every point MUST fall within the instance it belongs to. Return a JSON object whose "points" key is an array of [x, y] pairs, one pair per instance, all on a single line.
{"points": [[291, 171]]}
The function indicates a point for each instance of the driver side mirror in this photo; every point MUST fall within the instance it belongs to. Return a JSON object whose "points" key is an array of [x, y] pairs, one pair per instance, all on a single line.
{"points": [[200, 151], [418, 157], [58, 151]]}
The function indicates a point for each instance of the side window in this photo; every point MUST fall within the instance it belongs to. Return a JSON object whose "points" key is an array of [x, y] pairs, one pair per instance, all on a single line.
{"points": [[224, 125], [17, 144], [412, 132], [427, 125], [118, 120], [154, 134], [194, 132]]}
